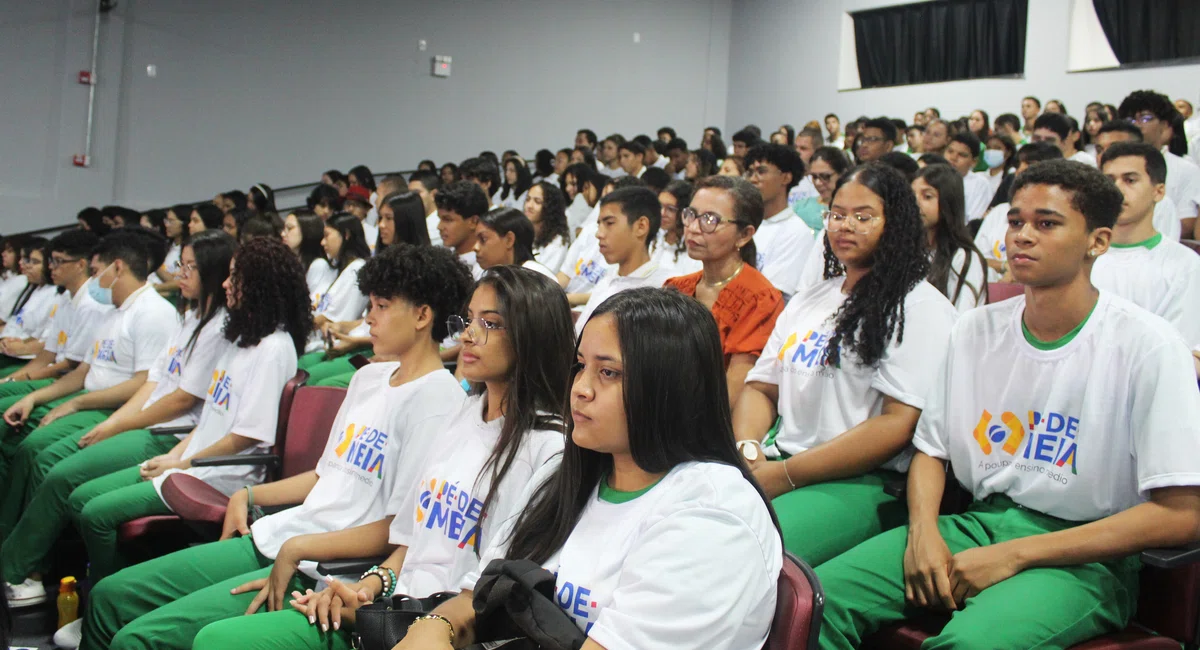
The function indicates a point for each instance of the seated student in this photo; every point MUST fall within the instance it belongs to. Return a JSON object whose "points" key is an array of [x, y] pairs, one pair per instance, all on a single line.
{"points": [[992, 232], [358, 203], [654, 513], [268, 322], [1154, 114], [507, 430], [484, 173], [875, 137], [171, 396], [585, 266], [546, 209], [517, 181], [956, 268], [505, 236], [632, 158], [459, 206], [205, 216], [233, 221], [720, 225], [427, 185], [628, 222], [1000, 157], [669, 248], [302, 232], [395, 412], [1058, 130], [347, 249], [12, 280], [963, 154], [20, 340], [677, 153], [175, 230], [325, 201], [1103, 466], [123, 350], [608, 156], [581, 186], [785, 241], [260, 198], [67, 332], [847, 368], [1166, 215], [1158, 274]]}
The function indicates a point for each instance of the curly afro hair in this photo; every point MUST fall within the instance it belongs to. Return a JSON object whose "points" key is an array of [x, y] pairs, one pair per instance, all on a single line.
{"points": [[421, 275], [272, 295], [874, 310]]}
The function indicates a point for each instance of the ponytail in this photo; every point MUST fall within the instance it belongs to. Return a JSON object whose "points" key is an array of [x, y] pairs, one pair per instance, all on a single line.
{"points": [[749, 254]]}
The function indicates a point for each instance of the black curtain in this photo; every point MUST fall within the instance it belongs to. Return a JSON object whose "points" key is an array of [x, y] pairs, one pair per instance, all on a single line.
{"points": [[940, 41], [1145, 31]]}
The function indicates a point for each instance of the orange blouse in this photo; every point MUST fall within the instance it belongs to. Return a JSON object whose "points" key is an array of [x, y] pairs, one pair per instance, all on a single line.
{"points": [[745, 310]]}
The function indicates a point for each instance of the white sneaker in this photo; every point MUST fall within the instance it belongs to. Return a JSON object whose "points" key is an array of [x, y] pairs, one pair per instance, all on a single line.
{"points": [[70, 635], [30, 592]]}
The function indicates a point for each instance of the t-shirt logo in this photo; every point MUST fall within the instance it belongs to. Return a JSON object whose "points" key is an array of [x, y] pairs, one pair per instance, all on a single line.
{"points": [[809, 351], [451, 509], [591, 271], [760, 260], [576, 601], [220, 389], [20, 317], [323, 304], [1054, 444], [53, 310], [104, 351], [363, 447], [998, 249], [175, 365], [62, 338]]}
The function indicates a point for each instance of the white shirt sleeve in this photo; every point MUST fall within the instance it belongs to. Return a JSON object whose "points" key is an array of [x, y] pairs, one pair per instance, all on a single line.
{"points": [[151, 331], [931, 436], [199, 363], [258, 411], [1165, 418], [667, 584], [906, 371]]}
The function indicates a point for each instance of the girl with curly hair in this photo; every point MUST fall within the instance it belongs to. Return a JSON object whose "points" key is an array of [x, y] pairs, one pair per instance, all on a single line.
{"points": [[846, 370], [268, 322], [546, 208]]}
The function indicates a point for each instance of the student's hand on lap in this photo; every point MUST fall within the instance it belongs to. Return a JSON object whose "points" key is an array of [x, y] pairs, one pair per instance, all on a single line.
{"points": [[102, 431], [772, 476], [273, 588], [928, 565], [158, 465], [334, 605], [237, 516], [19, 412], [60, 411], [976, 569]]}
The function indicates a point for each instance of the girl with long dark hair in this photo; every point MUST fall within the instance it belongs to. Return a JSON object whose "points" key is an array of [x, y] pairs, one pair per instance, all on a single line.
{"points": [[205, 216], [260, 199], [175, 228], [668, 247], [650, 488], [957, 268], [172, 396], [847, 369], [31, 310], [302, 232], [546, 209], [12, 280], [505, 236], [346, 247], [517, 181]]}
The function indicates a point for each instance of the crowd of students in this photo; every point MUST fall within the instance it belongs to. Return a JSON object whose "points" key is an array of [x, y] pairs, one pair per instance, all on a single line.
{"points": [[669, 366]]}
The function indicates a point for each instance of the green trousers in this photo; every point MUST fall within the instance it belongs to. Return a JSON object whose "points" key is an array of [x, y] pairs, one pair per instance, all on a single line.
{"points": [[101, 505], [24, 473], [65, 467], [11, 437], [166, 602], [1054, 607], [824, 520], [319, 368], [337, 381]]}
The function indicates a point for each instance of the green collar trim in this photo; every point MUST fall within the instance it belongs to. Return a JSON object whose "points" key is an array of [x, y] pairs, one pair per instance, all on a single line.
{"points": [[1046, 346], [1148, 244], [612, 495]]}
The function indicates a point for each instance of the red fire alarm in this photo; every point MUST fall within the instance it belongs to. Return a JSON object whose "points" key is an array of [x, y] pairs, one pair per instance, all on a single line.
{"points": [[86, 78], [79, 160]]}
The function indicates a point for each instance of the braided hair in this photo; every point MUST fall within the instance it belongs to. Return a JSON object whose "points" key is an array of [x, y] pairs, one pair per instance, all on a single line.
{"points": [[874, 310]]}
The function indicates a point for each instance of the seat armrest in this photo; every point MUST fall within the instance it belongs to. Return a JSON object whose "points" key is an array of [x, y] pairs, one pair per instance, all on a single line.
{"points": [[357, 566], [1170, 558], [896, 486], [358, 361], [170, 431], [267, 460]]}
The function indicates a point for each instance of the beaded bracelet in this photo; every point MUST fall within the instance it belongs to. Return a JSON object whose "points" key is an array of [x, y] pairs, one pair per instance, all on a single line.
{"points": [[384, 578]]}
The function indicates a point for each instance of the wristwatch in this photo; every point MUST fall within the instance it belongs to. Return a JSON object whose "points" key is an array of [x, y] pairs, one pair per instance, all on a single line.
{"points": [[751, 449]]}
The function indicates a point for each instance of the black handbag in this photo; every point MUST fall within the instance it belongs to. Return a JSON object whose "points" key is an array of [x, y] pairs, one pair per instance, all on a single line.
{"points": [[514, 599], [383, 624]]}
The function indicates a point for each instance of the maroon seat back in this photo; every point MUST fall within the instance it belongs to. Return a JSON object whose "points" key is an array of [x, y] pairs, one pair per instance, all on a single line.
{"points": [[798, 607], [1169, 602], [998, 291], [310, 418]]}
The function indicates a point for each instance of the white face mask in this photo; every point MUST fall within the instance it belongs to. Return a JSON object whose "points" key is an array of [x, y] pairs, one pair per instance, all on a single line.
{"points": [[993, 157]]}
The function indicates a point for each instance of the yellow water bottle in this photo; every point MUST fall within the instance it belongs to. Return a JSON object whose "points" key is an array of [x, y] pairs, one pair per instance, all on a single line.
{"points": [[68, 602]]}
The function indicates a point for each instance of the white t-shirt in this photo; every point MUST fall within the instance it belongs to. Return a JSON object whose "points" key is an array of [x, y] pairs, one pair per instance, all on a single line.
{"points": [[1084, 157], [242, 398], [341, 302], [472, 263], [990, 238], [1080, 432], [177, 368], [994, 181], [784, 243], [1183, 185], [375, 451], [977, 190], [30, 320], [130, 339], [1166, 219], [612, 173], [372, 235], [819, 403], [971, 295], [86, 320], [813, 272], [171, 261], [10, 289], [54, 332], [514, 201], [578, 212], [534, 265], [431, 224], [695, 557], [552, 255], [318, 278], [803, 190], [649, 274], [660, 162], [437, 518], [584, 265], [1159, 275], [669, 257]]}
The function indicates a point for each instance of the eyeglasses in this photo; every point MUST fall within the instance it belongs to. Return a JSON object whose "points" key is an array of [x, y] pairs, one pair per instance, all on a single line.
{"points": [[823, 177], [870, 139], [187, 269], [670, 209], [1144, 118], [56, 262], [708, 221], [761, 170], [478, 328], [854, 223]]}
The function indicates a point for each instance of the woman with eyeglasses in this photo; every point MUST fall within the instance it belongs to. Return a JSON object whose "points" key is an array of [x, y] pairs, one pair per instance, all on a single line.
{"points": [[719, 228], [31, 310], [846, 370], [825, 168]]}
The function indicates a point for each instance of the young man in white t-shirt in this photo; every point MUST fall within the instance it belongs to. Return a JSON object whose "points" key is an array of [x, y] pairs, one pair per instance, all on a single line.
{"points": [[990, 238], [963, 154], [632, 157], [1141, 265], [426, 184], [629, 220], [1062, 132], [1154, 113], [1167, 218], [1072, 417], [784, 241]]}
